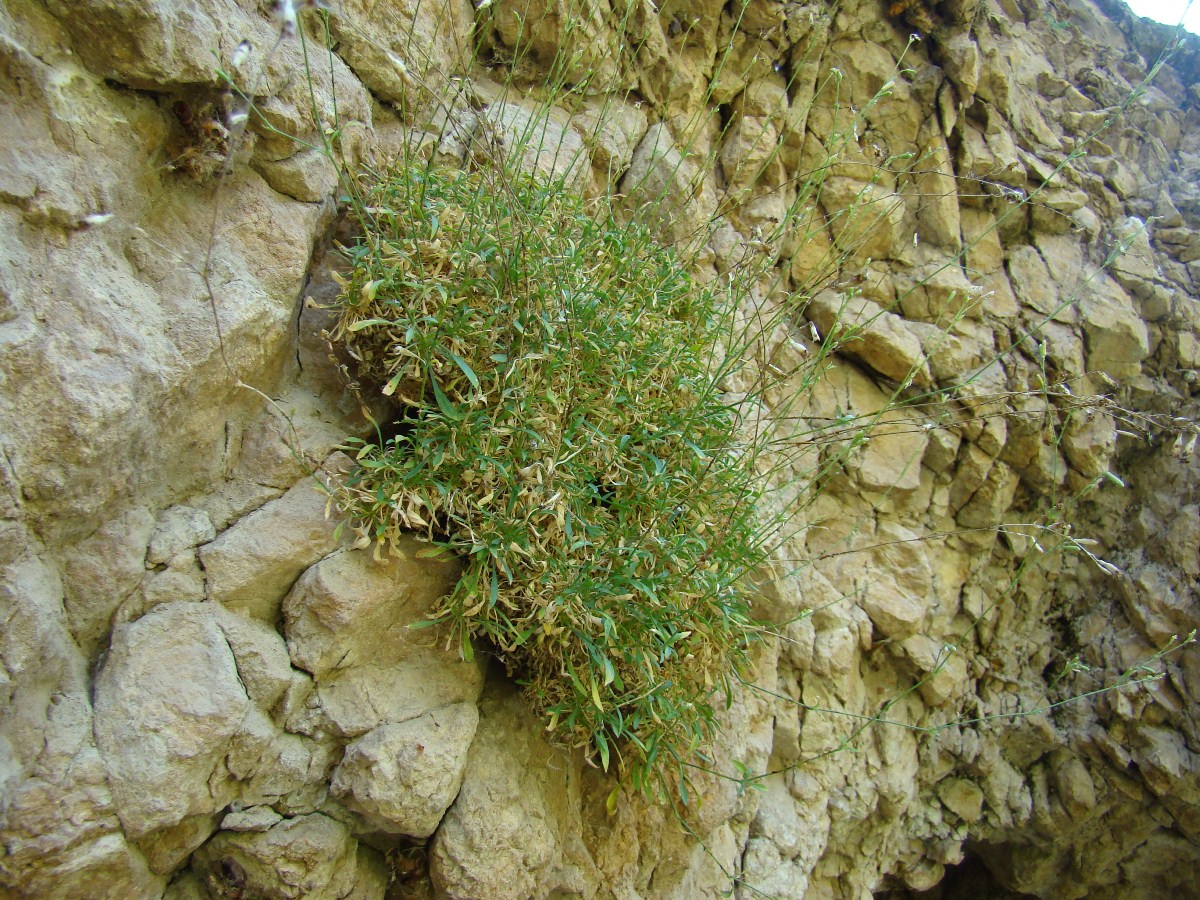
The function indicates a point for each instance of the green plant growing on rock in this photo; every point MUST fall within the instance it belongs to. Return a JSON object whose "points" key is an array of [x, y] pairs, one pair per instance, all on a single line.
{"points": [[562, 428]]}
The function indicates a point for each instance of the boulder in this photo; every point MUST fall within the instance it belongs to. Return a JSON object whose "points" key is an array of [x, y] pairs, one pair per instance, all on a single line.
{"points": [[168, 704], [307, 856], [402, 776], [252, 564]]}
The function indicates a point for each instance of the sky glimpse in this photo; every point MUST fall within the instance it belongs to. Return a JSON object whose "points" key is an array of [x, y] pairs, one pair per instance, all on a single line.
{"points": [[1172, 12]]}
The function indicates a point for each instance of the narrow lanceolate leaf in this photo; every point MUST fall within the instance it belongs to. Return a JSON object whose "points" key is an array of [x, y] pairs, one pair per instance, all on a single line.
{"points": [[602, 746], [393, 383], [448, 409], [466, 369], [368, 323]]}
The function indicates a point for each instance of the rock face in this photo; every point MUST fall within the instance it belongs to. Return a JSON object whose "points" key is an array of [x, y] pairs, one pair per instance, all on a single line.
{"points": [[206, 692]]}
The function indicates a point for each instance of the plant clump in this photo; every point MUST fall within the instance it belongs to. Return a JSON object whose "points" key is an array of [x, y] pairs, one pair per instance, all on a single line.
{"points": [[560, 426]]}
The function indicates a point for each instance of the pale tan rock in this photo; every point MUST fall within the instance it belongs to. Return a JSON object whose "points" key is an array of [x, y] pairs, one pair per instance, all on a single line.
{"points": [[899, 601], [984, 253], [168, 704], [347, 622], [308, 175], [251, 565], [167, 849], [991, 499], [260, 655], [747, 149], [663, 184], [402, 776], [538, 141], [770, 872], [1031, 280], [938, 212], [539, 30], [1075, 787], [60, 833], [871, 334], [1089, 441], [391, 45], [965, 347], [611, 129], [943, 667], [105, 571], [504, 835], [866, 220], [340, 611], [177, 529], [306, 856], [939, 293], [942, 449], [256, 818], [181, 580], [1115, 335]]}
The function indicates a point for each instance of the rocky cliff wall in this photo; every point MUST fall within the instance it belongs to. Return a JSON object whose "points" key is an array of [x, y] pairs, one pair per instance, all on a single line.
{"points": [[204, 693]]}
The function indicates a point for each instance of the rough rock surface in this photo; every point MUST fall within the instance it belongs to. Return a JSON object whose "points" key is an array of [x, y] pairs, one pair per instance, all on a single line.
{"points": [[204, 694]]}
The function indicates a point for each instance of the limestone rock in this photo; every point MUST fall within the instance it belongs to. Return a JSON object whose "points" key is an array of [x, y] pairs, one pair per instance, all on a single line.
{"points": [[664, 183], [60, 834], [168, 704], [501, 837], [307, 856], [541, 142], [347, 622], [251, 565], [871, 334], [178, 529], [343, 609], [1089, 441], [403, 776], [260, 655], [963, 798], [256, 818], [866, 219], [899, 600], [611, 131], [1115, 335], [384, 43], [941, 293], [181, 579], [308, 175], [109, 567], [1075, 787]]}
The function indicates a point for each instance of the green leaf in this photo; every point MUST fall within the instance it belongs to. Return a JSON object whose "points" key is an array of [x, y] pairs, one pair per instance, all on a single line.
{"points": [[424, 623], [393, 383], [611, 803], [467, 370], [433, 553], [468, 652], [368, 323], [448, 409], [602, 746]]}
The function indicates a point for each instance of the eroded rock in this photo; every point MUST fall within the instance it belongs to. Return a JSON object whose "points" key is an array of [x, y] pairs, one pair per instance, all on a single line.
{"points": [[402, 776], [254, 563], [168, 704], [306, 856]]}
